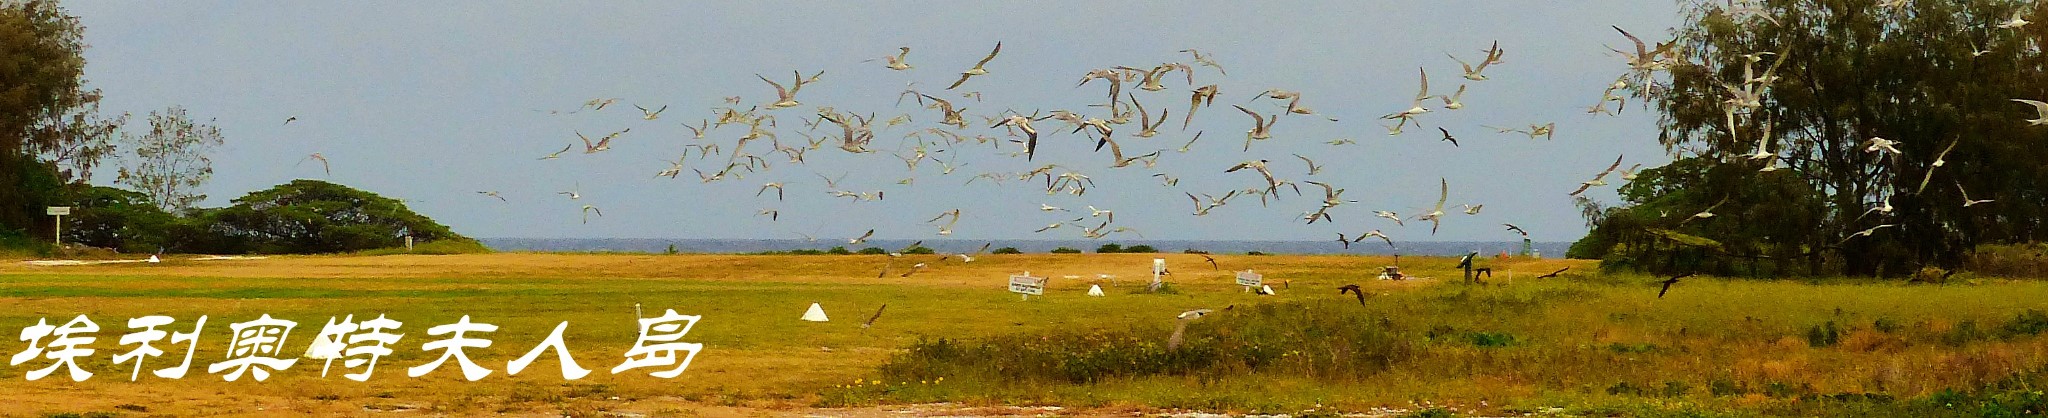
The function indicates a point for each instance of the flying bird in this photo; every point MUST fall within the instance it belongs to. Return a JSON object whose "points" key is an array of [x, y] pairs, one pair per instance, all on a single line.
{"points": [[493, 193], [1261, 127], [977, 70], [1173, 342], [1865, 233], [1667, 283], [1516, 229], [587, 210], [323, 162], [899, 62], [1354, 290], [1436, 215], [1447, 136], [1597, 179], [1966, 197], [2019, 20], [650, 114], [289, 120], [786, 97], [2040, 112], [1203, 97], [558, 154], [878, 311], [1312, 167], [862, 238], [1390, 216], [1939, 160], [1376, 234]]}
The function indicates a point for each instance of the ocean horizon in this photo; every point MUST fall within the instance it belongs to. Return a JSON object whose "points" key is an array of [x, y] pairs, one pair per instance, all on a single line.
{"points": [[740, 246]]}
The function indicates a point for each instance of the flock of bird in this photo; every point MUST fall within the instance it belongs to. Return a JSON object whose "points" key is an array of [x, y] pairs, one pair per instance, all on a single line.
{"points": [[936, 129], [939, 136]]}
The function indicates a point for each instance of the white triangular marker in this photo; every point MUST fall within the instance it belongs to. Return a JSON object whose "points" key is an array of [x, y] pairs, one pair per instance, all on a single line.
{"points": [[1267, 289], [153, 259], [1095, 290], [815, 314]]}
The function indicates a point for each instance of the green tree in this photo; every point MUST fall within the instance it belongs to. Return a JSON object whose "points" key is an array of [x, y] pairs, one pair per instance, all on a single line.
{"points": [[41, 62], [312, 216], [170, 161], [107, 217], [1811, 82]]}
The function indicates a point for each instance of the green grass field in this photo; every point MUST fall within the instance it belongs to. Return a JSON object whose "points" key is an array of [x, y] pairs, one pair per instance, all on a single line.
{"points": [[1585, 343]]}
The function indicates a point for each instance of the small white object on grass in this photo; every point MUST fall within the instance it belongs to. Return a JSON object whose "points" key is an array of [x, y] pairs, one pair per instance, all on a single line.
{"points": [[153, 259], [1266, 289], [1095, 290], [815, 314]]}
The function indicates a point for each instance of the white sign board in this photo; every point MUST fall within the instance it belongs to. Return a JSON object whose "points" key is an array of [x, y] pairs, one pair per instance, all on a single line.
{"points": [[1025, 284], [59, 211], [1248, 278]]}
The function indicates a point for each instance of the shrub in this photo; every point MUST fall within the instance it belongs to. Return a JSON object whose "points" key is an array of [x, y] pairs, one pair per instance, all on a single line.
{"points": [[838, 251], [1193, 251], [2031, 322], [1490, 339], [1141, 249], [1254, 253], [1065, 250], [873, 251], [920, 250], [1825, 335], [1318, 341], [1964, 333], [1006, 250], [2022, 260], [443, 247], [1110, 248]]}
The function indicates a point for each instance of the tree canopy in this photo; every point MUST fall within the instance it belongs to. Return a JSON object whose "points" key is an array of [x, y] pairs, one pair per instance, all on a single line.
{"points": [[41, 63], [1780, 113], [312, 216]]}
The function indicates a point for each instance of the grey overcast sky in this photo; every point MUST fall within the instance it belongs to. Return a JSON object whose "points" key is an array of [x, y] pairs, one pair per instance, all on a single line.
{"points": [[435, 101]]}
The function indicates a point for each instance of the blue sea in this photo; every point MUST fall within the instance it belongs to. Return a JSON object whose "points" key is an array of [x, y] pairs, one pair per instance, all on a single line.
{"points": [[734, 246]]}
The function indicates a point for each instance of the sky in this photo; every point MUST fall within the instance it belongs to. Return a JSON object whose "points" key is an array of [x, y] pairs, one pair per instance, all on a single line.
{"points": [[432, 102]]}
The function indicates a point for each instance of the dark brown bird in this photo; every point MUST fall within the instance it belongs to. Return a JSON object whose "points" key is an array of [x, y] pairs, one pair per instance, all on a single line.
{"points": [[871, 319], [1671, 281], [1354, 290], [1554, 273], [1447, 136], [1212, 262]]}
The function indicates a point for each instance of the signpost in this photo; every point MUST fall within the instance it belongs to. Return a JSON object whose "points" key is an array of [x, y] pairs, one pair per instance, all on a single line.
{"points": [[1025, 285], [1158, 269], [59, 212], [1249, 280]]}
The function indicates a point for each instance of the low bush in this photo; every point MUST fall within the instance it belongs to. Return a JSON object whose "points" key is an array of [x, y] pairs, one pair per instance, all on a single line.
{"points": [[1065, 250], [2016, 261], [1006, 250], [1318, 341]]}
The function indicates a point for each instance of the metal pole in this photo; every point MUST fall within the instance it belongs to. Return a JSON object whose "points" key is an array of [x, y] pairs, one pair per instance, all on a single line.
{"points": [[60, 231]]}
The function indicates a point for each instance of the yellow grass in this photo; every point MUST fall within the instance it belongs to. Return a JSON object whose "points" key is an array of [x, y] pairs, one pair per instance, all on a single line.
{"points": [[759, 358]]}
